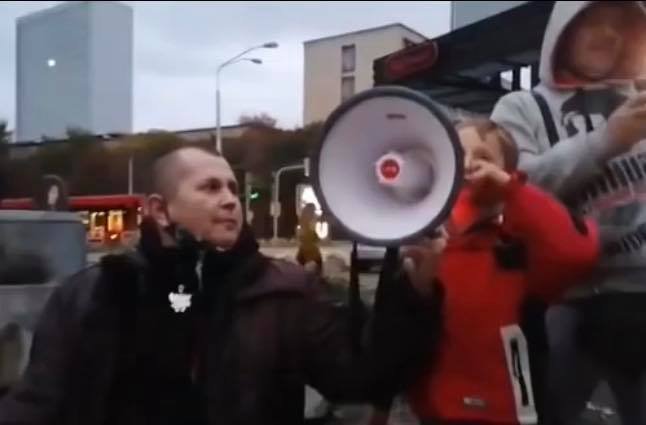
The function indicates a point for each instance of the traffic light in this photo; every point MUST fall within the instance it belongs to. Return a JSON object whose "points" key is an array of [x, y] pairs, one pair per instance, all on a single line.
{"points": [[254, 194]]}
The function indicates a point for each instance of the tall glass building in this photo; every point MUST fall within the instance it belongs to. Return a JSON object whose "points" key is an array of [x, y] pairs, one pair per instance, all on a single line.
{"points": [[74, 69]]}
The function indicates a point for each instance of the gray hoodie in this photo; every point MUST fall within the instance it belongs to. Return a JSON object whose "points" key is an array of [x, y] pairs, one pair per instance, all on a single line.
{"points": [[578, 168]]}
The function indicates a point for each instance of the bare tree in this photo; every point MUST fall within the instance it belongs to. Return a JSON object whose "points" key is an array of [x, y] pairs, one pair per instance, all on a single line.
{"points": [[263, 119], [4, 132]]}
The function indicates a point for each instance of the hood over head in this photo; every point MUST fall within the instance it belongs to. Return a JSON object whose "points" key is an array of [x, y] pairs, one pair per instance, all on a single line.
{"points": [[631, 65]]}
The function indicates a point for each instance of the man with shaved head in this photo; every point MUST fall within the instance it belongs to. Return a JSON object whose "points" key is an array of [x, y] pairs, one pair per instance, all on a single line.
{"points": [[199, 190], [197, 327]]}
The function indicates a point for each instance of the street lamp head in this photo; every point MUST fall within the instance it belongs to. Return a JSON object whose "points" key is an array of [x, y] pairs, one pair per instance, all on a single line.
{"points": [[256, 61], [270, 45]]}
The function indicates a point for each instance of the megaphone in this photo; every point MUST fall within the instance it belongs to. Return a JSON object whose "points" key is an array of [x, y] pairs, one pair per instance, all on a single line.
{"points": [[388, 166]]}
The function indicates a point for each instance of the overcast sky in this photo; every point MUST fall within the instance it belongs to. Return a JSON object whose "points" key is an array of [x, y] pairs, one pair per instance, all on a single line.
{"points": [[178, 46]]}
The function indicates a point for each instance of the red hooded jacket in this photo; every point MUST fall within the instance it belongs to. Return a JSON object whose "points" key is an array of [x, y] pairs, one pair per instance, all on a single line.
{"points": [[480, 371]]}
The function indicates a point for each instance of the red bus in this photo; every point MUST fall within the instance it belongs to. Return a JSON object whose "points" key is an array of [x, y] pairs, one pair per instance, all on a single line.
{"points": [[108, 219]]}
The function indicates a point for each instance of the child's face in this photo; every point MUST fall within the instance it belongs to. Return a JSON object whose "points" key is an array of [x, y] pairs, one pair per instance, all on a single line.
{"points": [[593, 46], [476, 148]]}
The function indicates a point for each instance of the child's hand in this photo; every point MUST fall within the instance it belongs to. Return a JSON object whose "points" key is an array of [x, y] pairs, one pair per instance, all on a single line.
{"points": [[626, 126], [484, 173], [487, 180]]}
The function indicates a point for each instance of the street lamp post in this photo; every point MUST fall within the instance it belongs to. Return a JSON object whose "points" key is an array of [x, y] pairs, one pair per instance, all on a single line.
{"points": [[237, 58], [275, 205], [130, 174]]}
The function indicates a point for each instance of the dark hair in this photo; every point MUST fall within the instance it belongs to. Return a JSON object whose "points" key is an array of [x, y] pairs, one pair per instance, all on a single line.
{"points": [[164, 179], [46, 183], [484, 127]]}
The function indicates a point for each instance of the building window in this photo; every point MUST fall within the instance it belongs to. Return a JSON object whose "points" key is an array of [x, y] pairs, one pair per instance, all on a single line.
{"points": [[348, 58], [347, 88]]}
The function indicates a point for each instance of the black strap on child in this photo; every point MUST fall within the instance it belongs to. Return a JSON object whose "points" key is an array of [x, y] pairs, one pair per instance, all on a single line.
{"points": [[548, 119]]}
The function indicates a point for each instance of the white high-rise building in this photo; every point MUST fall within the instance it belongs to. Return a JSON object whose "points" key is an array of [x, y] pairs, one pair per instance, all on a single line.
{"points": [[74, 69]]}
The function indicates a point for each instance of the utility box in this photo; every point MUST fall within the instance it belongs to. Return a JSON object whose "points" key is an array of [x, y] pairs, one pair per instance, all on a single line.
{"points": [[37, 250]]}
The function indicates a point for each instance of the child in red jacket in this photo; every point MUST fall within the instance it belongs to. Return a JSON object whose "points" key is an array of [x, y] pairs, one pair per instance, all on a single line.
{"points": [[511, 248]]}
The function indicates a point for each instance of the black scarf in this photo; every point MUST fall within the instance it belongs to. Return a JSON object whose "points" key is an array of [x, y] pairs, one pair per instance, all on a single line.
{"points": [[171, 350], [224, 273]]}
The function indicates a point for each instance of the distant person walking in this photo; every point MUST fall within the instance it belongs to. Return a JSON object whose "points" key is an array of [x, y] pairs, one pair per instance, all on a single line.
{"points": [[309, 253]]}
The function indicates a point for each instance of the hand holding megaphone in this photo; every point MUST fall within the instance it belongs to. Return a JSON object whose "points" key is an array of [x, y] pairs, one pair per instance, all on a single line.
{"points": [[420, 262]]}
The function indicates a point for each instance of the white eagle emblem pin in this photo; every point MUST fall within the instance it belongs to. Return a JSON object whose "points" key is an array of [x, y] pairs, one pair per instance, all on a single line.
{"points": [[179, 301]]}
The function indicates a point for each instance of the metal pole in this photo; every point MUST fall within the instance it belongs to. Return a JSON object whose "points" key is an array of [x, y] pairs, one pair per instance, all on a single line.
{"points": [[130, 175], [516, 78], [354, 300], [276, 193], [275, 203], [218, 130], [534, 74]]}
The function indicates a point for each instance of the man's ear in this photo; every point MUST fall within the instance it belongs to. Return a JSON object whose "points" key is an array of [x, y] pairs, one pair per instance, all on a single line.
{"points": [[157, 209]]}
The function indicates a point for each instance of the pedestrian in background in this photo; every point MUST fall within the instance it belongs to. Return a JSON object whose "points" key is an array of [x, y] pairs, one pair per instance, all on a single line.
{"points": [[309, 252]]}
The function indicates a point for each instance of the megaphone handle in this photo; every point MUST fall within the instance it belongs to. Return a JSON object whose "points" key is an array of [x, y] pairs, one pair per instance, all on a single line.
{"points": [[389, 274], [354, 301], [436, 233]]}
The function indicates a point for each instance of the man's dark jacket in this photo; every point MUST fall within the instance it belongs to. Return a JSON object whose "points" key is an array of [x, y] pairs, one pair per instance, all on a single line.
{"points": [[282, 334]]}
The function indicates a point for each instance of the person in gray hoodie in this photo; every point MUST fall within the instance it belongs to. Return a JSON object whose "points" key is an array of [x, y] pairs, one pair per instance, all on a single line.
{"points": [[580, 134]]}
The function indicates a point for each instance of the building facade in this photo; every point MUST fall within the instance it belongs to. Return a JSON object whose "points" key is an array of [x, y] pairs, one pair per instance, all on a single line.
{"points": [[74, 69], [339, 66]]}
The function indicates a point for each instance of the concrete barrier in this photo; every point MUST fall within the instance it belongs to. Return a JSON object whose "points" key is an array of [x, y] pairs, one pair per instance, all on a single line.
{"points": [[20, 308], [37, 249]]}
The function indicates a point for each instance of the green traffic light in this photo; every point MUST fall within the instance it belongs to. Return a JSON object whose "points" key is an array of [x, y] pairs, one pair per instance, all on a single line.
{"points": [[254, 195]]}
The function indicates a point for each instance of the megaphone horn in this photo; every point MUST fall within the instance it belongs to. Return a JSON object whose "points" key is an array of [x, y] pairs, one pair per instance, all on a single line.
{"points": [[388, 166]]}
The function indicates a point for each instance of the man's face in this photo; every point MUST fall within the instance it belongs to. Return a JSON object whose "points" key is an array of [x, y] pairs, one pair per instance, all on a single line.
{"points": [[205, 200], [595, 43]]}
